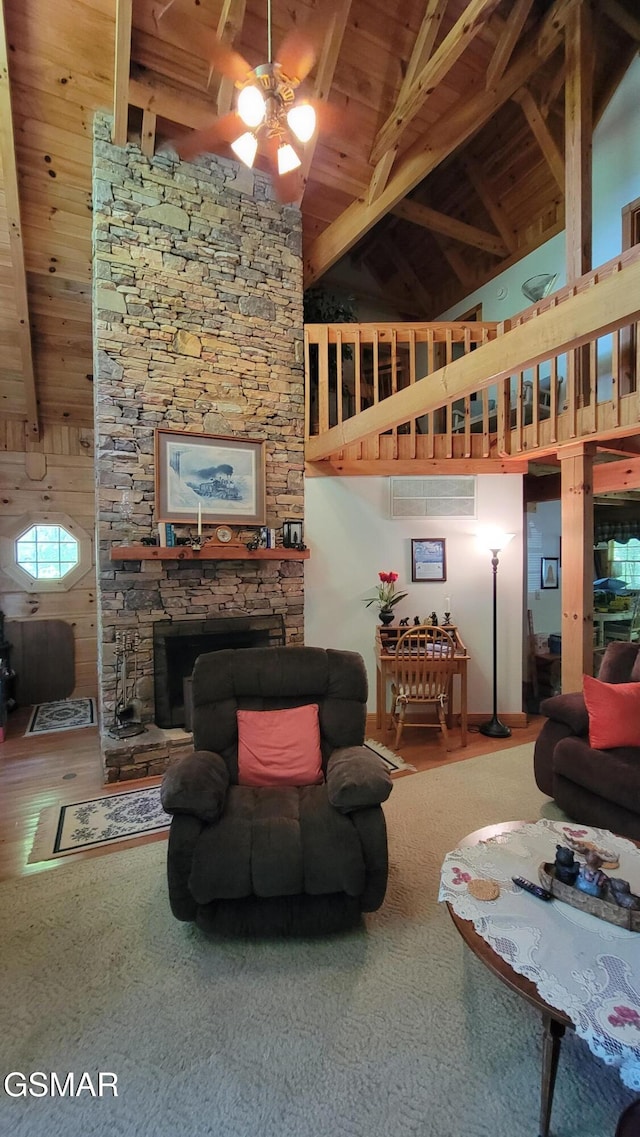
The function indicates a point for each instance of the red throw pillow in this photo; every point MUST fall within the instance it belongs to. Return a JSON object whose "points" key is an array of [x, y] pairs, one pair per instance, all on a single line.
{"points": [[279, 748], [614, 713]]}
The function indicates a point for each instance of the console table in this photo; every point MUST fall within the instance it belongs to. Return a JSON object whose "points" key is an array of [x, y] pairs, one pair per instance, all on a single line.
{"points": [[385, 646]]}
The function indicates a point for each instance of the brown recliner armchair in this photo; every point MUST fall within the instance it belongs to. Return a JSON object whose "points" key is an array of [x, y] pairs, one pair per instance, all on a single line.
{"points": [[594, 787], [277, 859]]}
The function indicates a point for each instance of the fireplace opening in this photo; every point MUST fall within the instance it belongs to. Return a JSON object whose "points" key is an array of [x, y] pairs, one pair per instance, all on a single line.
{"points": [[178, 643]]}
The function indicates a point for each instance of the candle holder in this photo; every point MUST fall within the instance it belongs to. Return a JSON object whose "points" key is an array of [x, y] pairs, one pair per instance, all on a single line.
{"points": [[196, 544], [447, 620]]}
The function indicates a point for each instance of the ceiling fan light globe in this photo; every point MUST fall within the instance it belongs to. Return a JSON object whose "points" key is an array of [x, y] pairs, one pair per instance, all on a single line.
{"points": [[245, 148], [251, 106], [302, 121], [288, 160]]}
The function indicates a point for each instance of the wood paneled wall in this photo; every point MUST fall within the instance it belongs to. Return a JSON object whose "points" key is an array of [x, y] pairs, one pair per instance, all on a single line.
{"points": [[67, 486]]}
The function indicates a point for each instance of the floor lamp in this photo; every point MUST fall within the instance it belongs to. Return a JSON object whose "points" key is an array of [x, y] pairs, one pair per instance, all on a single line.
{"points": [[494, 728]]}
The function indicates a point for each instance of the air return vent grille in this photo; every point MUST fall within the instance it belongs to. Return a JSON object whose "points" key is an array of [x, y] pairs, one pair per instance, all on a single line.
{"points": [[433, 497]]}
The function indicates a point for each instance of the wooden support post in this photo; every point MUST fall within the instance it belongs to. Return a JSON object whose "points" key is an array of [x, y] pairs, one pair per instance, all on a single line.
{"points": [[578, 101], [121, 72], [576, 477]]}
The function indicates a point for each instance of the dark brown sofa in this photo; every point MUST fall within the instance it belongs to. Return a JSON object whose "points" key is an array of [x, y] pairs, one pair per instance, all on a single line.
{"points": [[594, 787], [279, 859]]}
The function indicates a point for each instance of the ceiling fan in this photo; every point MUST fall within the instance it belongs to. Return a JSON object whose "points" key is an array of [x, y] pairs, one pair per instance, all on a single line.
{"points": [[268, 116]]}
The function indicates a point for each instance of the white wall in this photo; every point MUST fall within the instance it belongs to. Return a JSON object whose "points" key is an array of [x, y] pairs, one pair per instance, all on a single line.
{"points": [[543, 540], [352, 538]]}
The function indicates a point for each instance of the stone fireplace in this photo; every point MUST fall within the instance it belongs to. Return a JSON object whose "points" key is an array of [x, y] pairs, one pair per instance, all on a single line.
{"points": [[197, 327], [178, 643]]}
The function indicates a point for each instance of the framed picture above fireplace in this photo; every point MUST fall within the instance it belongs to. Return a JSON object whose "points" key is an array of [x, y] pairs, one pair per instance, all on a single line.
{"points": [[209, 478]]}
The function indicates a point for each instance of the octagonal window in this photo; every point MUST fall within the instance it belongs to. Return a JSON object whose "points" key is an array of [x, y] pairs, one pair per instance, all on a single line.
{"points": [[47, 552]]}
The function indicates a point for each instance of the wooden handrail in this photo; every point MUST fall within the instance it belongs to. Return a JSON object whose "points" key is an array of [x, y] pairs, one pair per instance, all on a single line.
{"points": [[527, 396]]}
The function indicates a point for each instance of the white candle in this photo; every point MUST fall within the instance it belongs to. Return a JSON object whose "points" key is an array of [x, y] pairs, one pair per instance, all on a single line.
{"points": [[447, 603], [199, 519]]}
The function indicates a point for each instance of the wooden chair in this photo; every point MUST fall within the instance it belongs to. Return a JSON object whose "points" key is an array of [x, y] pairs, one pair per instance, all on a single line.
{"points": [[422, 675]]}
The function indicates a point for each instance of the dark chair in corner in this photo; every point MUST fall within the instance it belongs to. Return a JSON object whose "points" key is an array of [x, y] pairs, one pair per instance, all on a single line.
{"points": [[594, 787], [278, 859]]}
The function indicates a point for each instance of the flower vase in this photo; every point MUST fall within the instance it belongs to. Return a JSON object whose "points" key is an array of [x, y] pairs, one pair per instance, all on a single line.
{"points": [[386, 617]]}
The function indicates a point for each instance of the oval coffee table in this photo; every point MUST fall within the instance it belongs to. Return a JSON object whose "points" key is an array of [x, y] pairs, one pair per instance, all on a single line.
{"points": [[554, 1021]]}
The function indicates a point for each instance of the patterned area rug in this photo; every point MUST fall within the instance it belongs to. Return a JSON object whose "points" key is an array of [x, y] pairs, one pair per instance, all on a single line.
{"points": [[66, 714], [121, 816], [100, 821]]}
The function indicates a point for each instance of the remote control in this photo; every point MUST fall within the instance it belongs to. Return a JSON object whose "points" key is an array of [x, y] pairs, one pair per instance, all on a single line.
{"points": [[534, 889]]}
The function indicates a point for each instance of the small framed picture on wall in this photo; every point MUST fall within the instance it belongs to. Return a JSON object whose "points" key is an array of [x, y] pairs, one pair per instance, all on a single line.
{"points": [[428, 559], [549, 572]]}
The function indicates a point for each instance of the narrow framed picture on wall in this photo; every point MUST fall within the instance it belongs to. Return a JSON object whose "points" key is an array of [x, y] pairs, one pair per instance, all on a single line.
{"points": [[428, 559], [549, 572], [207, 478]]}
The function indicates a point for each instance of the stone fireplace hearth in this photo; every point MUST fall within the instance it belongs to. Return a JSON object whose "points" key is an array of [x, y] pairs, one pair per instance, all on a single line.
{"points": [[197, 326]]}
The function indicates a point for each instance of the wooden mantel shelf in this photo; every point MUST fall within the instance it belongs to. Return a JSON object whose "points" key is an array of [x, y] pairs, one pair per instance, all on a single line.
{"points": [[207, 553]]}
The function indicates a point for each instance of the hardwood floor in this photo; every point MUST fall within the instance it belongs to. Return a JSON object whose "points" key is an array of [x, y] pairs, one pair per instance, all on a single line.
{"points": [[54, 769], [59, 768]]}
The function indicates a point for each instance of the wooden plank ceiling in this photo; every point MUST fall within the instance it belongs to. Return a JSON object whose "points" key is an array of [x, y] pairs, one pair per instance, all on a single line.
{"points": [[441, 165]]}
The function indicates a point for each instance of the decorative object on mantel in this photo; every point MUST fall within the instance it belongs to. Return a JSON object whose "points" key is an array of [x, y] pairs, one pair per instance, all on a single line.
{"points": [[208, 479], [292, 535], [386, 596], [126, 712]]}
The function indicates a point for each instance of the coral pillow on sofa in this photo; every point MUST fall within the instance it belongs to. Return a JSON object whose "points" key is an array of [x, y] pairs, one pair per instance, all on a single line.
{"points": [[279, 748], [614, 713]]}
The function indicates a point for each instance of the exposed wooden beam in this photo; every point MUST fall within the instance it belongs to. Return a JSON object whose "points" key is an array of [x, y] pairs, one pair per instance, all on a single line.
{"points": [[423, 46], [552, 90], [186, 110], [614, 477], [407, 275], [422, 49], [428, 218], [578, 91], [544, 138], [229, 26], [412, 467], [432, 73], [325, 71], [16, 247], [576, 505], [380, 175], [122, 64], [504, 49], [456, 261], [620, 16], [465, 118], [488, 198], [148, 137], [610, 304]]}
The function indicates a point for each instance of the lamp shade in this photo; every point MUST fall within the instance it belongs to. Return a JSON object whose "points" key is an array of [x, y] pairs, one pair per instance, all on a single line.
{"points": [[494, 539], [288, 160], [251, 106], [245, 148], [302, 120], [537, 287]]}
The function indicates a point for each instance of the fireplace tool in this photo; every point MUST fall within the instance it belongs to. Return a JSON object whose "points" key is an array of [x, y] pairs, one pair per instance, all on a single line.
{"points": [[127, 720]]}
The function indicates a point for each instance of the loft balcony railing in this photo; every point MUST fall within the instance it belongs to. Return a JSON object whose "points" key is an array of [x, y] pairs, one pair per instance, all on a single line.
{"points": [[584, 392]]}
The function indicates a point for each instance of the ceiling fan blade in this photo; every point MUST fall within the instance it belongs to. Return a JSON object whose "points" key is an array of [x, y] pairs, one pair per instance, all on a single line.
{"points": [[206, 141], [181, 30], [301, 46], [288, 187]]}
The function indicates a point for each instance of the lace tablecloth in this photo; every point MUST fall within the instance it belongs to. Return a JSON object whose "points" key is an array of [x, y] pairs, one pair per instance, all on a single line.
{"points": [[582, 965]]}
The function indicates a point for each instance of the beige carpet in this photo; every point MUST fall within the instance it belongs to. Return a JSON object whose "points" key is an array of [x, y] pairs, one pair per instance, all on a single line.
{"points": [[395, 1031]]}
